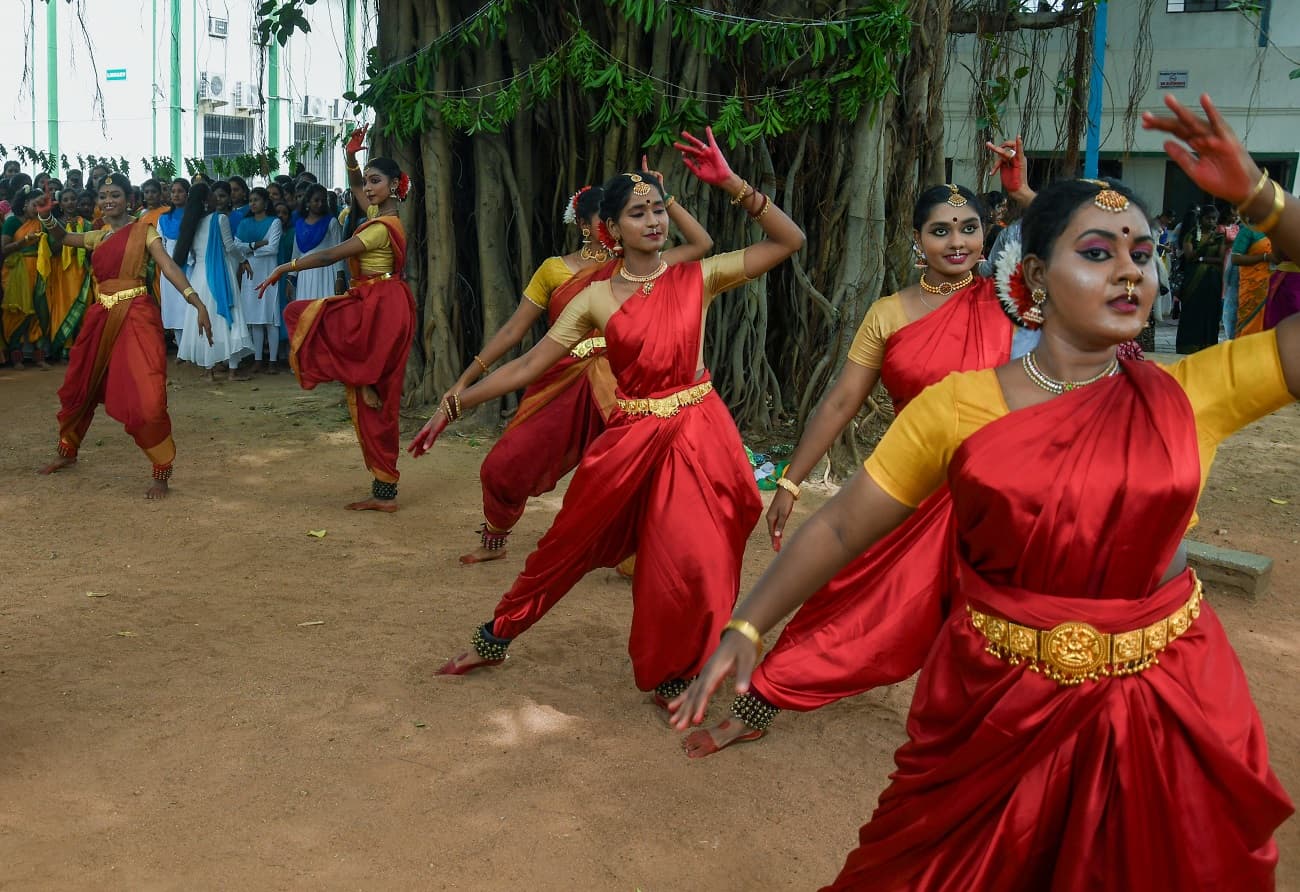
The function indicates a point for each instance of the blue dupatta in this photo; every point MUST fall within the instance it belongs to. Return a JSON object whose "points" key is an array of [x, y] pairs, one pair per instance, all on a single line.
{"points": [[219, 286], [309, 235]]}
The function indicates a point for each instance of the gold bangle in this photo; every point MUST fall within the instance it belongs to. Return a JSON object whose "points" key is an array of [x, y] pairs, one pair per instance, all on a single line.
{"points": [[749, 630], [1254, 193], [789, 486], [767, 203], [483, 365], [746, 190], [1279, 204], [356, 167], [293, 264], [670, 201], [188, 291]]}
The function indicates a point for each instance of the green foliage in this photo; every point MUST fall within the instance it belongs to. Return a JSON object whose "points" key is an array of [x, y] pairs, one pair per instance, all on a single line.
{"points": [[816, 70], [280, 19]]}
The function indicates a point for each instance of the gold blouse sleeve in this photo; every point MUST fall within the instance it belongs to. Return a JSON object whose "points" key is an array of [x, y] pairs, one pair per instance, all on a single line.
{"points": [[722, 272], [374, 237], [885, 317], [1231, 385], [575, 322], [151, 236], [90, 240], [553, 273], [911, 460]]}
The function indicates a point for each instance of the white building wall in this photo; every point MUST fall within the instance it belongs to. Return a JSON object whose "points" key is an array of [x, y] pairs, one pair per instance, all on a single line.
{"points": [[137, 37], [1218, 50]]}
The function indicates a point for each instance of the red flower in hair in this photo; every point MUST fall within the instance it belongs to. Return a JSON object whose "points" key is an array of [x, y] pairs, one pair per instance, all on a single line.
{"points": [[403, 186], [1020, 291], [605, 238]]}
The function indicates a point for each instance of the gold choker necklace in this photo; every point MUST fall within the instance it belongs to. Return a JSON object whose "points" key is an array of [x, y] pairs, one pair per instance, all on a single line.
{"points": [[948, 288], [1052, 385], [647, 282]]}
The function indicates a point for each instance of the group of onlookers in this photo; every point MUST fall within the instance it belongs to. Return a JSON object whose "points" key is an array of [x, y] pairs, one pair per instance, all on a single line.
{"points": [[227, 235]]}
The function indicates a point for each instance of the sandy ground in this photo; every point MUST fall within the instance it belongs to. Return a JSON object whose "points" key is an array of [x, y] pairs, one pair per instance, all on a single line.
{"points": [[243, 706]]}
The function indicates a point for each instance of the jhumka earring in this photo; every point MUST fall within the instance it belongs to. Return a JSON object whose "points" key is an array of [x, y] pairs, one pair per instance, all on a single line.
{"points": [[919, 261], [1034, 313]]}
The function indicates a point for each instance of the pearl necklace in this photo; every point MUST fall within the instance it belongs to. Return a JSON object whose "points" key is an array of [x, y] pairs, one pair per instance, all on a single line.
{"points": [[947, 288], [646, 282], [1052, 385]]}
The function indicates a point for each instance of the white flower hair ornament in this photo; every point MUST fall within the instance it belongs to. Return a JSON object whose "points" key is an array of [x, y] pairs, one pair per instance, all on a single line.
{"points": [[1018, 303], [571, 209]]}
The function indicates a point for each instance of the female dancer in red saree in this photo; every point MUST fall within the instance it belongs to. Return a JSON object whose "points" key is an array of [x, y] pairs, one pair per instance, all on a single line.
{"points": [[668, 478], [950, 321], [361, 338], [562, 412], [1083, 723], [120, 358]]}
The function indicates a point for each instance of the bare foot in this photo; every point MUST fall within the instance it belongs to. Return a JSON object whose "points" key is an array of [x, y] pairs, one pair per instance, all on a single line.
{"points": [[157, 490], [386, 505], [209, 375], [58, 464], [43, 365], [236, 375], [482, 555], [370, 397], [628, 568], [707, 741], [466, 663]]}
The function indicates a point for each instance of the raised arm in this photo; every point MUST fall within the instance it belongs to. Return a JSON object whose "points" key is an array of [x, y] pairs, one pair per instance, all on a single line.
{"points": [[1212, 156], [1010, 164], [355, 180], [832, 415], [705, 160], [857, 517], [698, 242], [59, 237]]}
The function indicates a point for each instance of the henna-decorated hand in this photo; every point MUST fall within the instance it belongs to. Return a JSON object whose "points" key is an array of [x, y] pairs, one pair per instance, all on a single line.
{"points": [[705, 160], [1209, 152], [357, 141]]}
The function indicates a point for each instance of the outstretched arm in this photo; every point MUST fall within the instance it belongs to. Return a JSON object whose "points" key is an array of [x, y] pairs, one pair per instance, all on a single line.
{"points": [[832, 415], [859, 515], [705, 160], [507, 337], [1210, 153], [512, 376], [314, 259]]}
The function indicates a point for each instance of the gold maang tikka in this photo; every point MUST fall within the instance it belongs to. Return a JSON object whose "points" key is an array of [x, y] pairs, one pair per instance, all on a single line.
{"points": [[1108, 199], [641, 187], [956, 199]]}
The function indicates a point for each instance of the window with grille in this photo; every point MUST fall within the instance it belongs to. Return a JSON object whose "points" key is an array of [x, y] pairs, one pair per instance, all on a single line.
{"points": [[319, 163], [1201, 5], [225, 136]]}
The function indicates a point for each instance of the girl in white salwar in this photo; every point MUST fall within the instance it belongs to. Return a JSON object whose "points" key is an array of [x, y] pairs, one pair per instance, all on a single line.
{"points": [[169, 227], [259, 237], [206, 243], [315, 231]]}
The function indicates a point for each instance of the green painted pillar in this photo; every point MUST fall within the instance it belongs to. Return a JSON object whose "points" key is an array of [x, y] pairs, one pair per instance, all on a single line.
{"points": [[350, 43], [52, 76], [176, 87], [273, 101]]}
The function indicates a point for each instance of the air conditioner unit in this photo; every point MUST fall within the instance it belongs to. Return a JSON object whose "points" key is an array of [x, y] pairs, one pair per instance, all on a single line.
{"points": [[218, 27], [313, 107], [212, 87], [340, 109], [245, 96]]}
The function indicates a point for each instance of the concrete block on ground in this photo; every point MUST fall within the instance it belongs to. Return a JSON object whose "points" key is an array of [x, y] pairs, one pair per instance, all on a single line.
{"points": [[1237, 573]]}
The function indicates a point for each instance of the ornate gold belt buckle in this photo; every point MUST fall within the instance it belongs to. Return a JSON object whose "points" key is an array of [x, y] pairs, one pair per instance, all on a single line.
{"points": [[1075, 650]]}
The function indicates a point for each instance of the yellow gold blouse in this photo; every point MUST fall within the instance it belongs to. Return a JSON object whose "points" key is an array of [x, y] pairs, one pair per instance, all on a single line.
{"points": [[885, 317]]}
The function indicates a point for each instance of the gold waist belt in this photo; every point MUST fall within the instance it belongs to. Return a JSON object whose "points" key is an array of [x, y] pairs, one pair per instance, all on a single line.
{"points": [[371, 280], [1072, 653], [583, 349], [667, 406], [110, 300]]}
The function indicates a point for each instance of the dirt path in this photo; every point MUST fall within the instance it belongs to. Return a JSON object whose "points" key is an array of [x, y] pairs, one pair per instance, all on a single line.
{"points": [[248, 707]]}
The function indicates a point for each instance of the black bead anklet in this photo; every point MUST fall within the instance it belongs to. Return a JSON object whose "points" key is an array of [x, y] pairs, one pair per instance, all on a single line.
{"points": [[385, 492], [754, 711]]}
